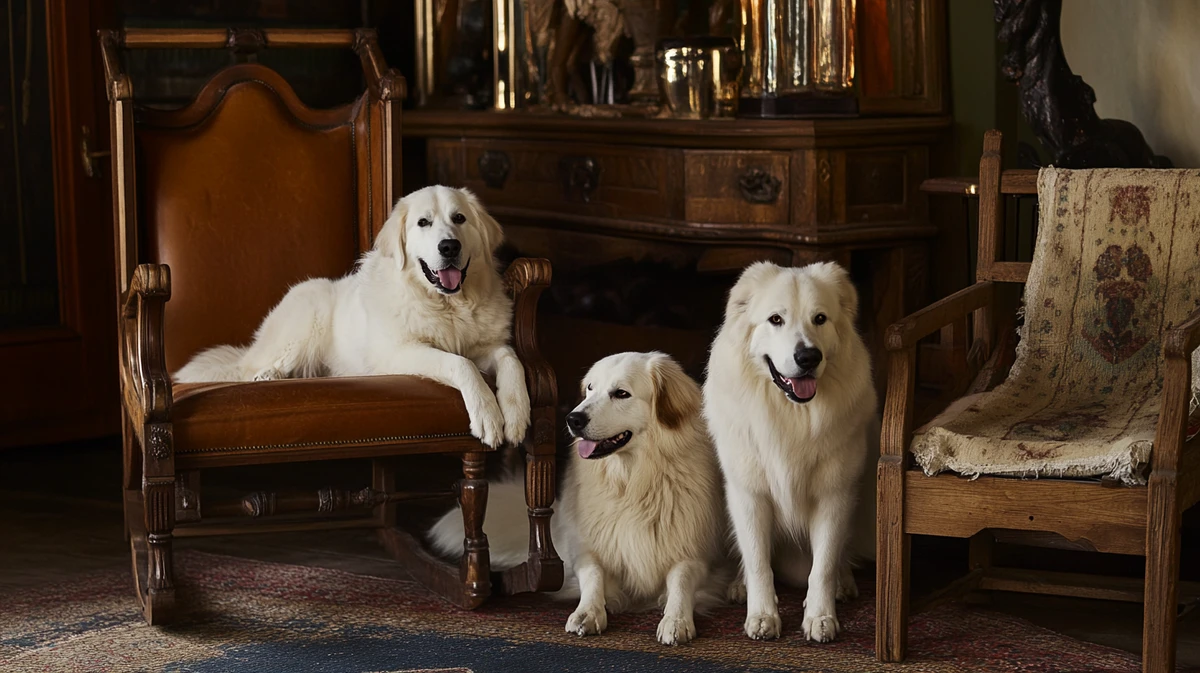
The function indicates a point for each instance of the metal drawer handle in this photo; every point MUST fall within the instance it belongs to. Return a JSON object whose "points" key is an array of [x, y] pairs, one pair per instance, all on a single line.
{"points": [[759, 186], [493, 168], [579, 173]]}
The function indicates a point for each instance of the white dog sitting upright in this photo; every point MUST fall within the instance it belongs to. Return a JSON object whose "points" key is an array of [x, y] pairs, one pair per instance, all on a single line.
{"points": [[425, 301], [640, 518], [791, 404]]}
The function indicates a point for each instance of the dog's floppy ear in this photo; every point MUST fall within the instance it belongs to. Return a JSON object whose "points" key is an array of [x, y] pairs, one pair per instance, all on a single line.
{"points": [[676, 395], [751, 279], [837, 275], [493, 235], [390, 241]]}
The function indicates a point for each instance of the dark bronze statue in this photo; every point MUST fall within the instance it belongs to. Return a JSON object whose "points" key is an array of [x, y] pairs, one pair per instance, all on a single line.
{"points": [[1056, 102]]}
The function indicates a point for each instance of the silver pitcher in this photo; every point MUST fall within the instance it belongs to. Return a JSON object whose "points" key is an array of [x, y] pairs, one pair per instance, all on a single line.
{"points": [[698, 76]]}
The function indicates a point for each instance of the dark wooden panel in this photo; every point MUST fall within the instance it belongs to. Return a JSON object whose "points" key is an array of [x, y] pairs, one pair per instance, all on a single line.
{"points": [[736, 187], [583, 178], [882, 185], [875, 179]]}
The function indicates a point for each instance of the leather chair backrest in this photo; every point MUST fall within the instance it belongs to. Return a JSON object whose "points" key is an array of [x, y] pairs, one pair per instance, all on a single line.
{"points": [[246, 192]]}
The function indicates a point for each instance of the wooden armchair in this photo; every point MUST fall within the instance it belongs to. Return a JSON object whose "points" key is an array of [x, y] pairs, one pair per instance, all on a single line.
{"points": [[1126, 514], [219, 207]]}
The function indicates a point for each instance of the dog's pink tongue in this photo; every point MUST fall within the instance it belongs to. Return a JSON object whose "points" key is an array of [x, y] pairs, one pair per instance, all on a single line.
{"points": [[804, 388], [450, 278], [585, 447]]}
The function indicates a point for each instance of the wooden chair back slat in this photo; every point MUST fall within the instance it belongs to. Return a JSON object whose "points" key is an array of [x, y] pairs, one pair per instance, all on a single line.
{"points": [[994, 184]]}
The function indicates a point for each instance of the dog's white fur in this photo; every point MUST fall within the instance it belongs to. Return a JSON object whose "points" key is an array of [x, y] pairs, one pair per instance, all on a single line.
{"points": [[388, 317], [645, 523], [793, 471]]}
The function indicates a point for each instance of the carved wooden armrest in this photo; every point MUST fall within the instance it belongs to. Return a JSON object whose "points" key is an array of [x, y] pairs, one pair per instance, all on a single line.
{"points": [[910, 330], [543, 571], [525, 280], [145, 381]]}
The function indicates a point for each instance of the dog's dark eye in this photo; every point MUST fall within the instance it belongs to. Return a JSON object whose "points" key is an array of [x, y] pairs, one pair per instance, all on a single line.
{"points": [[458, 218], [589, 386], [775, 320], [423, 222], [619, 394], [819, 319]]}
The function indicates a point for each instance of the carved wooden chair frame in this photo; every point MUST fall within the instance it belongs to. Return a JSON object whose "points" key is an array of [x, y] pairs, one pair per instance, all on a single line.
{"points": [[978, 325], [162, 495]]}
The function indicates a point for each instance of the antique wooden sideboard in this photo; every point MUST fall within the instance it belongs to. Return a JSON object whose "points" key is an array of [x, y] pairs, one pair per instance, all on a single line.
{"points": [[702, 197]]}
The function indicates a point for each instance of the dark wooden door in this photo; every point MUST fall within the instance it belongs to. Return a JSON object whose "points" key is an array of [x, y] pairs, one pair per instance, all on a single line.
{"points": [[57, 317]]}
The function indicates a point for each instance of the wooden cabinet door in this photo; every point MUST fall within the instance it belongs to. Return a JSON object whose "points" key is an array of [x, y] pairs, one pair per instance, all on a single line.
{"points": [[58, 375], [902, 56]]}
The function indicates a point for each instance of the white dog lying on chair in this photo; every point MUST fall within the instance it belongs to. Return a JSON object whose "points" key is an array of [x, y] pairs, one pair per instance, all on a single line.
{"points": [[426, 301]]}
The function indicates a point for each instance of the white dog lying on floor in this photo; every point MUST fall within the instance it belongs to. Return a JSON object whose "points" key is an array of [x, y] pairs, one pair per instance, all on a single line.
{"points": [[791, 405], [641, 516], [425, 301]]}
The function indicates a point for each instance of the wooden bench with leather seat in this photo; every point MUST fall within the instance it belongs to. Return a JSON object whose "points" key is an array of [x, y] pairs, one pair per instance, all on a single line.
{"points": [[219, 207]]}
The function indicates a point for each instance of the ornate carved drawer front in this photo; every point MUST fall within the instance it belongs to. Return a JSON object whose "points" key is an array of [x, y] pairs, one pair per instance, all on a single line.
{"points": [[600, 180], [730, 187]]}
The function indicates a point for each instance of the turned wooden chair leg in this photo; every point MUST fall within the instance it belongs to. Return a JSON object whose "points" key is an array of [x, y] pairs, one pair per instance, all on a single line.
{"points": [[1162, 577], [891, 565], [546, 570], [472, 498], [543, 570], [150, 519]]}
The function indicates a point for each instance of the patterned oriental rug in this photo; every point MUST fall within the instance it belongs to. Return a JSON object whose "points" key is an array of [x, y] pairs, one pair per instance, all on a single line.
{"points": [[253, 616]]}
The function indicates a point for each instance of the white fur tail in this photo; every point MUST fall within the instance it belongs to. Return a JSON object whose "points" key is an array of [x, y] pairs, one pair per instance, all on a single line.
{"points": [[506, 525], [221, 363]]}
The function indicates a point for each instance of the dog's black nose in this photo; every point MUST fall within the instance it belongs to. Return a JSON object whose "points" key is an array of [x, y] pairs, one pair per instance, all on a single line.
{"points": [[577, 421], [808, 358], [449, 247]]}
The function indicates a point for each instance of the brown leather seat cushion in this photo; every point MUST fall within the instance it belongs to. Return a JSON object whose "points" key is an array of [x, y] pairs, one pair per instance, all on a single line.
{"points": [[299, 414]]}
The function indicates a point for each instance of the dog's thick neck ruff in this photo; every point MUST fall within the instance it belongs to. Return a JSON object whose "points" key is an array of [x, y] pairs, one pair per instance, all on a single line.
{"points": [[447, 280], [799, 389]]}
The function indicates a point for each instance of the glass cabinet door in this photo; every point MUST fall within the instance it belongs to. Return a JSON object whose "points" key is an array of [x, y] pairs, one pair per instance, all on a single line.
{"points": [[28, 259]]}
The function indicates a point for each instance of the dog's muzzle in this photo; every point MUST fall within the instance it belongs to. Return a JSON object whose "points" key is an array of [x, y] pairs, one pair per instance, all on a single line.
{"points": [[799, 389], [448, 279], [577, 422]]}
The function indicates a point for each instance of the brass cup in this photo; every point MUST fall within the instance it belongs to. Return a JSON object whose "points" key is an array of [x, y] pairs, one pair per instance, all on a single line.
{"points": [[698, 76]]}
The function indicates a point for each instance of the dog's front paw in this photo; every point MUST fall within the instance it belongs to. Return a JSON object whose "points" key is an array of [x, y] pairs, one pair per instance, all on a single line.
{"points": [[821, 628], [587, 621], [763, 625], [514, 406], [269, 374], [674, 630], [487, 424], [736, 591]]}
